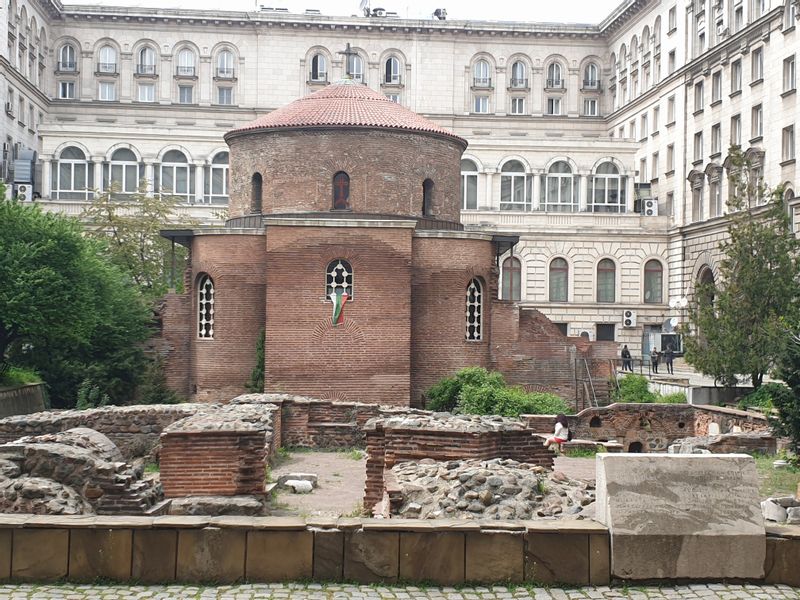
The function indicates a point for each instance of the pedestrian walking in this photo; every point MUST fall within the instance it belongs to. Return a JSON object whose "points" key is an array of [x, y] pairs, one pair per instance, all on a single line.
{"points": [[669, 356], [654, 360], [626, 359]]}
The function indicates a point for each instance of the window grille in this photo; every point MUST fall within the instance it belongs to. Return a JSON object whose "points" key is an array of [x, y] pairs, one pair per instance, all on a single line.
{"points": [[474, 312], [205, 307], [339, 279]]}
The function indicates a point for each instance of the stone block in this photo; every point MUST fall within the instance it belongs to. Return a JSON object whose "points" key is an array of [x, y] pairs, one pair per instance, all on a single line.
{"points": [[599, 559], [211, 554], [100, 553], [673, 516], [155, 553], [437, 557], [40, 554], [371, 556], [557, 558], [279, 555], [782, 560], [328, 555], [5, 554], [494, 556]]}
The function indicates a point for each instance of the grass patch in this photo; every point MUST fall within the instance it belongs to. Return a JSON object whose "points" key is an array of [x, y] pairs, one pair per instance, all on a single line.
{"points": [[354, 454], [776, 482], [151, 467], [582, 452], [16, 376]]}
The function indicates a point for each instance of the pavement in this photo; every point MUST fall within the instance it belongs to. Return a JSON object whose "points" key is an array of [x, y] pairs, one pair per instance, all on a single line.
{"points": [[315, 591]]}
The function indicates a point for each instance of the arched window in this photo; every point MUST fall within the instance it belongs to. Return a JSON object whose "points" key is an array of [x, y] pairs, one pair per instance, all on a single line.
{"points": [[474, 311], [561, 192], [519, 75], [107, 60], [186, 61], [175, 175], [515, 187], [205, 307], [469, 185], [392, 72], [707, 291], [481, 74], [122, 173], [73, 175], [427, 197], [554, 79], [607, 189], [787, 195], [559, 280], [341, 191], [319, 68], [216, 180], [67, 58], [512, 284], [634, 49], [255, 193], [606, 280], [225, 64], [147, 61], [623, 58], [645, 40], [339, 279], [355, 67], [591, 77], [653, 282]]}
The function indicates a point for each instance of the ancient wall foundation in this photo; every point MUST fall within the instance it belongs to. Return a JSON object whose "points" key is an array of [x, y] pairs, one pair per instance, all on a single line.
{"points": [[22, 400]]}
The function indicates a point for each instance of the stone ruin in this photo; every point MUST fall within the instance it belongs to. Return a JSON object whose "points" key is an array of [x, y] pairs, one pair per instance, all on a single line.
{"points": [[78, 471], [486, 489]]}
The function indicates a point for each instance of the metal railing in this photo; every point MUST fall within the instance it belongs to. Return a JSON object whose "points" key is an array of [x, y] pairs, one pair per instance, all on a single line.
{"points": [[182, 71], [393, 80], [519, 83], [225, 73], [555, 84], [66, 67], [591, 84], [145, 69], [482, 82], [107, 68]]}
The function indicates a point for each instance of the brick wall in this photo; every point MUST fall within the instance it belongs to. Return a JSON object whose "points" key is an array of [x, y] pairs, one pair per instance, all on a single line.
{"points": [[387, 447], [727, 419], [386, 170], [442, 270], [214, 463], [175, 345], [367, 357]]}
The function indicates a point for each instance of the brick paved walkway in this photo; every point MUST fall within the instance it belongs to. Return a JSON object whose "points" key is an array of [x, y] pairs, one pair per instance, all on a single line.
{"points": [[356, 592]]}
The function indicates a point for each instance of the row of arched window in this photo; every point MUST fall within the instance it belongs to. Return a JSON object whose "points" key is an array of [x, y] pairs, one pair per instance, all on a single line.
{"points": [[27, 43], [391, 68], [605, 281], [558, 188], [73, 176], [555, 74]]}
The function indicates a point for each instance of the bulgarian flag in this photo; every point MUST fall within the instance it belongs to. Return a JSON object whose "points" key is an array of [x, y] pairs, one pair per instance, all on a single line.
{"points": [[338, 307]]}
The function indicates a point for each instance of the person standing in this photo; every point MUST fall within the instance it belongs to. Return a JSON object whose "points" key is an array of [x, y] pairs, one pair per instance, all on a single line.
{"points": [[626, 359], [669, 356], [654, 360]]}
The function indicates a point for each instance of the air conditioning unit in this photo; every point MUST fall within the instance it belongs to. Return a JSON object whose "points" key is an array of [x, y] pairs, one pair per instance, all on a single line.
{"points": [[629, 318], [650, 207], [24, 192], [9, 109]]}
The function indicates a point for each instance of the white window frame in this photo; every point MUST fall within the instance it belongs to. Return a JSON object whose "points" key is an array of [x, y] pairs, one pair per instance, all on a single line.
{"points": [[466, 178], [757, 64], [480, 104], [141, 96], [67, 90], [515, 188], [556, 197], [107, 91], [788, 143], [789, 74], [224, 95], [554, 106], [591, 107], [127, 173], [518, 105]]}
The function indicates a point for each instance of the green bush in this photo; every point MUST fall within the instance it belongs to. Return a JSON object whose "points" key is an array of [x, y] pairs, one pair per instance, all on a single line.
{"points": [[14, 376], [476, 391], [153, 388], [676, 398], [444, 395], [90, 395], [633, 388], [255, 384], [762, 397]]}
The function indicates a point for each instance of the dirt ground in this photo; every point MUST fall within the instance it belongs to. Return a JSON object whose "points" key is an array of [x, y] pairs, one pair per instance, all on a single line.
{"points": [[340, 488]]}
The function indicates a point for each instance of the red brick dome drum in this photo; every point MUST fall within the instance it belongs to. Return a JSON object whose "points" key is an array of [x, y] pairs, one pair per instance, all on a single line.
{"points": [[345, 148]]}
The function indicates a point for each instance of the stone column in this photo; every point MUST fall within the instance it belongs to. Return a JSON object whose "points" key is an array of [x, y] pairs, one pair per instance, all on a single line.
{"points": [[47, 174], [583, 193], [198, 181], [488, 200], [149, 175], [630, 193], [536, 204], [500, 96], [97, 184]]}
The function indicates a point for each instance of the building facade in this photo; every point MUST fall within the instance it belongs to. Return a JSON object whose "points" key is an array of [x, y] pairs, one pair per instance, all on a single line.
{"points": [[602, 146]]}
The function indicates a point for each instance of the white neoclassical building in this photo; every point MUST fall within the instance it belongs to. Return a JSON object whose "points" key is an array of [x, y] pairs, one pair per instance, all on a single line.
{"points": [[602, 146]]}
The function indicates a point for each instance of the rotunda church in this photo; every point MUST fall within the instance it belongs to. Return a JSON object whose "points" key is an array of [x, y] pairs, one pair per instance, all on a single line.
{"points": [[344, 246]]}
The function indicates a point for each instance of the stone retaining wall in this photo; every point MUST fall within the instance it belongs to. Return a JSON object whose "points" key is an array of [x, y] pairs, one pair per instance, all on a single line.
{"points": [[21, 400], [271, 549]]}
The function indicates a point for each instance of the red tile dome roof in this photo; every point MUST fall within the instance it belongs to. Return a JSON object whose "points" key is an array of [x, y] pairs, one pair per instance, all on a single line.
{"points": [[345, 104]]}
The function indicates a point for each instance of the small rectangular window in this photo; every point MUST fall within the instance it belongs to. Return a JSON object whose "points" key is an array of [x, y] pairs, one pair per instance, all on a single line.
{"points": [[716, 87], [632, 130], [788, 143], [654, 166], [656, 115], [698, 97], [590, 107], [672, 19], [736, 76], [698, 146], [643, 170], [66, 90], [224, 95], [107, 91], [789, 74], [185, 94], [605, 332], [716, 139], [518, 106], [554, 106], [757, 122], [671, 109], [562, 327], [481, 104], [738, 19], [757, 65], [670, 157], [147, 92], [394, 98], [736, 130], [671, 62], [644, 129]]}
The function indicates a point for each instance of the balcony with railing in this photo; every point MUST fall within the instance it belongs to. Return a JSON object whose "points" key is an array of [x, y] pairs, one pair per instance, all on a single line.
{"points": [[317, 79], [591, 85], [392, 81], [146, 70], [482, 82], [185, 72], [106, 68], [555, 84], [518, 83], [225, 73], [67, 66]]}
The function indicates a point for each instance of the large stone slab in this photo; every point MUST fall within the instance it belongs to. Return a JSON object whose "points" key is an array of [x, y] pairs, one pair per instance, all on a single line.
{"points": [[100, 554], [39, 554], [674, 516], [279, 555], [437, 557], [155, 553]]}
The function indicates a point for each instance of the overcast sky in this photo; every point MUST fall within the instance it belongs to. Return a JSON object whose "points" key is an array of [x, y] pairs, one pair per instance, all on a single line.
{"points": [[563, 11]]}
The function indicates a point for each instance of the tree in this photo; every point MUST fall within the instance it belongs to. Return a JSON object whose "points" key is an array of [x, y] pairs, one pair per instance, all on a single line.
{"points": [[129, 226], [739, 326], [65, 310]]}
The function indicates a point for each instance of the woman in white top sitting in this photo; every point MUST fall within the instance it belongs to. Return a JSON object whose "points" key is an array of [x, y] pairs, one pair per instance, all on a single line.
{"points": [[561, 434]]}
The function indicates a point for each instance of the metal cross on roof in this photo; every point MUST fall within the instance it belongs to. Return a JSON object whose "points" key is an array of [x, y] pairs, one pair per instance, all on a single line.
{"points": [[348, 52]]}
